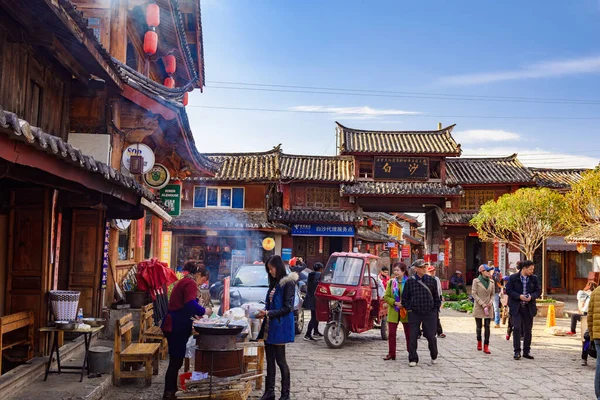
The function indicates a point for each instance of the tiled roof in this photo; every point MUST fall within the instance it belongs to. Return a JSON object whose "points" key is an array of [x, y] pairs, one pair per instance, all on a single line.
{"points": [[222, 219], [558, 243], [400, 189], [557, 178], [412, 239], [245, 166], [589, 235], [19, 129], [274, 165], [295, 216], [438, 142], [478, 171], [455, 218], [317, 168], [155, 90], [369, 235], [181, 34]]}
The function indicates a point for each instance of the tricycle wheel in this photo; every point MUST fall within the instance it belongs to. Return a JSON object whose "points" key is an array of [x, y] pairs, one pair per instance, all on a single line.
{"points": [[334, 335], [384, 329]]}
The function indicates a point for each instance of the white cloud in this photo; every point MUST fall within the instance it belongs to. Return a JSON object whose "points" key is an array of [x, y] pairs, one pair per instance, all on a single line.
{"points": [[535, 157], [545, 69], [364, 112], [485, 135]]}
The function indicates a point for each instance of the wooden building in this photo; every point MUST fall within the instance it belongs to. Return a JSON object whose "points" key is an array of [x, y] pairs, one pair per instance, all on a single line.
{"points": [[76, 90], [224, 218]]}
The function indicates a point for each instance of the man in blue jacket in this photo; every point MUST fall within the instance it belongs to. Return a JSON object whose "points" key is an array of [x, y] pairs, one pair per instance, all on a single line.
{"points": [[522, 289]]}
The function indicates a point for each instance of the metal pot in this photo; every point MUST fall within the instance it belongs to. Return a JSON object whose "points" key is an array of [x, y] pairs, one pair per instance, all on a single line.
{"points": [[217, 338], [65, 325]]}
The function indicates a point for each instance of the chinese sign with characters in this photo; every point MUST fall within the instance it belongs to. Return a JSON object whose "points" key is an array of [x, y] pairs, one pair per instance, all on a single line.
{"points": [[401, 167], [171, 198], [322, 230]]}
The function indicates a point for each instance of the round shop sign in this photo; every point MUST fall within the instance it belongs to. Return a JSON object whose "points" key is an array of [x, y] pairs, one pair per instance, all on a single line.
{"points": [[268, 244], [158, 177], [138, 149]]}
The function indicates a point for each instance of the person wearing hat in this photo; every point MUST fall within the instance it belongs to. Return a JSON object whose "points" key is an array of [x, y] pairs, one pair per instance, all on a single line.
{"points": [[457, 282], [431, 271], [483, 305], [422, 300]]}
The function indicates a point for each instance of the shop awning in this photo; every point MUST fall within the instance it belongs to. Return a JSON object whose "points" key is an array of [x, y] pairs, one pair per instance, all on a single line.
{"points": [[558, 243], [155, 209]]}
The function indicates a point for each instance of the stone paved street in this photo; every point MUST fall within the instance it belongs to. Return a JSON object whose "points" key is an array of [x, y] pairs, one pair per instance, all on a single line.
{"points": [[357, 371]]}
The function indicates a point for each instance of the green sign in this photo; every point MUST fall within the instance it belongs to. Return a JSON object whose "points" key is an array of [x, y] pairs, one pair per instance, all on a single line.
{"points": [[171, 198]]}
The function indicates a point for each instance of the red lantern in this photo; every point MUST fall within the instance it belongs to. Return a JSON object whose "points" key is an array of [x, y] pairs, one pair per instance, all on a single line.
{"points": [[170, 82], [185, 99], [153, 15], [370, 223], [170, 64], [150, 42]]}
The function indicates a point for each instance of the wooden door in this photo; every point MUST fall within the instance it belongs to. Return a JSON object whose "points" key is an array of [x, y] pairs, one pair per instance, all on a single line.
{"points": [[28, 258], [86, 257]]}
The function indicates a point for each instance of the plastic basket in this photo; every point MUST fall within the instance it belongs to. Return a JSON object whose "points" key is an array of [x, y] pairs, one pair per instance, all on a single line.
{"points": [[64, 304]]}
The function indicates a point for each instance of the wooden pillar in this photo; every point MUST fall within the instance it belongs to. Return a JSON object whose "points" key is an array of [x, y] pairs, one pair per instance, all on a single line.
{"points": [[114, 118], [157, 225], [118, 30]]}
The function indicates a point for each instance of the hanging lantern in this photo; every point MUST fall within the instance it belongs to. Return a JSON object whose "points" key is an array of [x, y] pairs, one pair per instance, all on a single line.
{"points": [[150, 42], [185, 99], [153, 15], [581, 247], [268, 244], [170, 63], [170, 82]]}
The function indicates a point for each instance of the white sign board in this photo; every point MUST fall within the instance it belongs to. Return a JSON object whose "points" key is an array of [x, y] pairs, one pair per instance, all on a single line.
{"points": [[138, 149], [513, 257]]}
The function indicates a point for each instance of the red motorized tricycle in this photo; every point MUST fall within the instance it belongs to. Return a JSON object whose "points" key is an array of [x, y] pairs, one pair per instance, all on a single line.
{"points": [[350, 297]]}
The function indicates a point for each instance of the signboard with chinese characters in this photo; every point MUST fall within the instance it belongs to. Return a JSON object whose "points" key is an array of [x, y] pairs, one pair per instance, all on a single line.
{"points": [[405, 251], [394, 252], [286, 254], [165, 248], [401, 168], [171, 198], [322, 230]]}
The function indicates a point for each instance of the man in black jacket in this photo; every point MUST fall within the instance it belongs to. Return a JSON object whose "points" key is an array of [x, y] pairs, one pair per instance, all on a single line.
{"points": [[522, 289], [422, 300]]}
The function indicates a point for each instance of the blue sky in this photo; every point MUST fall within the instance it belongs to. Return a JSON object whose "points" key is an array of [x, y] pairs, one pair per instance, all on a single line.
{"points": [[438, 49]]}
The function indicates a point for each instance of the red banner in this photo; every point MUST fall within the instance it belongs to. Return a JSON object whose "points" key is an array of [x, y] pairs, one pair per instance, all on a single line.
{"points": [[447, 253], [394, 252], [405, 251], [226, 285]]}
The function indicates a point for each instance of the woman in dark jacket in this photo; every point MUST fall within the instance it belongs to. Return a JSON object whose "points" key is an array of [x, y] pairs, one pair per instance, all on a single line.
{"points": [[278, 327], [177, 325], [309, 302]]}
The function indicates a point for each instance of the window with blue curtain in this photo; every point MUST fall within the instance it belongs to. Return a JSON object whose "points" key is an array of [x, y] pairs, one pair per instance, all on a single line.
{"points": [[225, 198], [199, 197], [237, 196], [212, 197]]}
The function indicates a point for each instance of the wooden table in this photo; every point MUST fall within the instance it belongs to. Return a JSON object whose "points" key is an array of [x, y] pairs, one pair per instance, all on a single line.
{"points": [[87, 337]]}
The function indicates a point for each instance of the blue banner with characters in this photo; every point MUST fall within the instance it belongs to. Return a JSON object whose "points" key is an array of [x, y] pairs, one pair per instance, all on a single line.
{"points": [[322, 230]]}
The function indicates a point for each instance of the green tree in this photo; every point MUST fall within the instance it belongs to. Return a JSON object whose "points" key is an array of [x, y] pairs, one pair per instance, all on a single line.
{"points": [[584, 200], [525, 218]]}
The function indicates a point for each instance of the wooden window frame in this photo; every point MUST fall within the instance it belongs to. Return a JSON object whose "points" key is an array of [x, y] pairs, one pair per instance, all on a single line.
{"points": [[474, 199], [333, 194], [219, 206], [366, 175]]}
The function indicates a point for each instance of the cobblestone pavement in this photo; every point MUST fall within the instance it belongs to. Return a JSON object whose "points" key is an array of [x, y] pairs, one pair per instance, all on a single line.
{"points": [[357, 371]]}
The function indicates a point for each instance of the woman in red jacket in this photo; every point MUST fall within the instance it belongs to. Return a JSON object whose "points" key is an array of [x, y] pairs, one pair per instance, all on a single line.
{"points": [[177, 325]]}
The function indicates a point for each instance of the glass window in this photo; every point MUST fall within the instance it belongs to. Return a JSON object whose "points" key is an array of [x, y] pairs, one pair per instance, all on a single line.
{"points": [[584, 263], [123, 247], [237, 198], [225, 198], [251, 275], [199, 197], [212, 197], [343, 271]]}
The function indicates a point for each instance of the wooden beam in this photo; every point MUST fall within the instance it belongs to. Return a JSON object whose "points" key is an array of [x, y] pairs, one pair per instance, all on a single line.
{"points": [[118, 30], [66, 59]]}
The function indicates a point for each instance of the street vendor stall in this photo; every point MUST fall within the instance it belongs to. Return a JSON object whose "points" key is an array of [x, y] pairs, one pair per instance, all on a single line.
{"points": [[225, 364]]}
